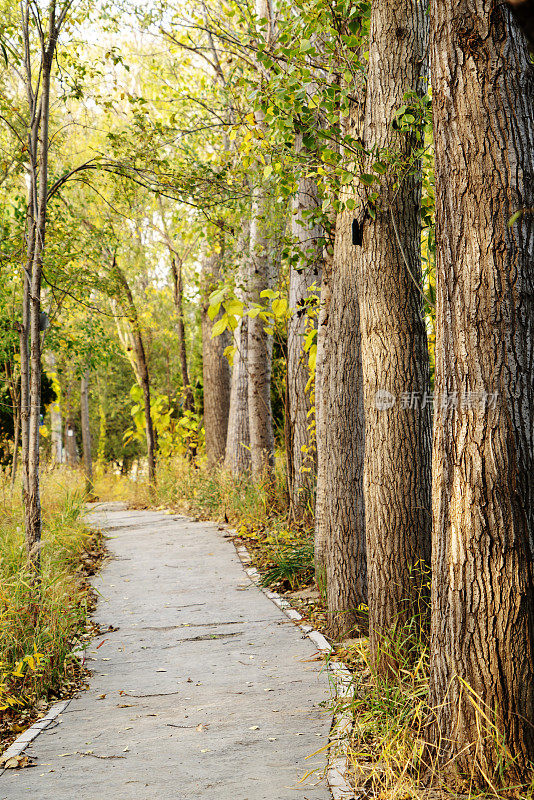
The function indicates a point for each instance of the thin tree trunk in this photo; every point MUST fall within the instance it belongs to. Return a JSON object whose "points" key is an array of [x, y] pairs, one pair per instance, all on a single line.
{"points": [[176, 269], [321, 423], [237, 455], [141, 369], [86, 433], [260, 343], [482, 643], [71, 448], [32, 506], [393, 335], [215, 369], [303, 275], [16, 442], [56, 424]]}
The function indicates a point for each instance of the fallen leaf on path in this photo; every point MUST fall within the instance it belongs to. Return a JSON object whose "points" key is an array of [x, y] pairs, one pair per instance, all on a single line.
{"points": [[16, 762]]}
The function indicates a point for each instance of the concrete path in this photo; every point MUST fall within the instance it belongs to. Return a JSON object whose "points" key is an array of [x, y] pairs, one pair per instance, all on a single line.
{"points": [[206, 690]]}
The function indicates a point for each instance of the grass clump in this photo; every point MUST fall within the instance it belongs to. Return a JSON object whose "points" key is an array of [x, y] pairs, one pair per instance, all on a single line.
{"points": [[41, 622]]}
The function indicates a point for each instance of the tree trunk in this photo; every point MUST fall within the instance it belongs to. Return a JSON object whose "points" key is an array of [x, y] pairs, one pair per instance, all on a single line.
{"points": [[340, 522], [215, 369], [340, 549], [141, 368], [56, 435], [260, 343], [71, 448], [393, 334], [16, 442], [86, 433], [301, 454], [482, 643], [176, 269], [321, 422], [237, 455]]}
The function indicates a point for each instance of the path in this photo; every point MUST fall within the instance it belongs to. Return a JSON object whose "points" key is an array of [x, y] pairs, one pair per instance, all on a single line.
{"points": [[206, 690]]}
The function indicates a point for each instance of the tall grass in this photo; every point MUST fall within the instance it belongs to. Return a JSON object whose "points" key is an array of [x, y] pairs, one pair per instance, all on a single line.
{"points": [[40, 623]]}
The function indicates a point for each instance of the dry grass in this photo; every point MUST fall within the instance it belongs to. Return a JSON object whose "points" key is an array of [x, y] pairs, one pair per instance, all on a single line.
{"points": [[40, 624]]}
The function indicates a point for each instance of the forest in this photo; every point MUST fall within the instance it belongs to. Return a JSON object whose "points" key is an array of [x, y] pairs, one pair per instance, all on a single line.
{"points": [[271, 263]]}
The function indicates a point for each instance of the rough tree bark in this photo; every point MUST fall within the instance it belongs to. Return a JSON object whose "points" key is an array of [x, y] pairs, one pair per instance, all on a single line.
{"points": [[260, 343], [237, 456], [215, 368], [393, 335], [340, 550], [86, 433], [303, 275], [482, 642], [261, 276], [341, 519]]}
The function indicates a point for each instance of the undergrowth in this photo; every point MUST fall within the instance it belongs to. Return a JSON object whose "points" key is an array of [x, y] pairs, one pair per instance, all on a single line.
{"points": [[257, 512], [41, 623]]}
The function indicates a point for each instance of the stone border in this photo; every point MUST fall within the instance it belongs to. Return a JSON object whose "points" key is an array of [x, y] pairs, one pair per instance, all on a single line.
{"points": [[342, 723], [26, 737]]}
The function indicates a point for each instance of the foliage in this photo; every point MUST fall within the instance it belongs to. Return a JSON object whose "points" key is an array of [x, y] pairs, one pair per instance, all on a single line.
{"points": [[41, 624]]}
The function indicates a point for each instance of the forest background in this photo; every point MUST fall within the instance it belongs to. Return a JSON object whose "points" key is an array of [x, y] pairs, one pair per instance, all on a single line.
{"points": [[219, 263]]}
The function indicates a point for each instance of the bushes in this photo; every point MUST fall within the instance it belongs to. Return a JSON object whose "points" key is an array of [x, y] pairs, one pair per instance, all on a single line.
{"points": [[40, 624]]}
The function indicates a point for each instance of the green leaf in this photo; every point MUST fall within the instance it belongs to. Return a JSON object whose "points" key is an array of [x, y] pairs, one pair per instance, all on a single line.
{"points": [[379, 167], [279, 307], [219, 327], [213, 310], [367, 179]]}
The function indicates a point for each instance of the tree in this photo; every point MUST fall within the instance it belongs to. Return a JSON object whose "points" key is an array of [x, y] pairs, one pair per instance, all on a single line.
{"points": [[482, 643], [304, 274], [86, 432], [38, 89], [393, 334], [215, 368], [341, 561], [237, 456], [139, 362]]}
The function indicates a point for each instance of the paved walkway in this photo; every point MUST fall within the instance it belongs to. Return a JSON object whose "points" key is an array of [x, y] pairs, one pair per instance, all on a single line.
{"points": [[206, 690]]}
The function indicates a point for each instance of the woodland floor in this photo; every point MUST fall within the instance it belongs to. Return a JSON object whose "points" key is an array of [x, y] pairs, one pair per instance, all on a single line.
{"points": [[201, 687]]}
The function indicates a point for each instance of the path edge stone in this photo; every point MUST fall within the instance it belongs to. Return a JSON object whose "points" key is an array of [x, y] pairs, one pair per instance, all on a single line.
{"points": [[339, 675], [22, 741]]}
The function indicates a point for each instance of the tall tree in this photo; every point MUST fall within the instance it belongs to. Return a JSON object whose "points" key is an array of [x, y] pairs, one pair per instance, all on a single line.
{"points": [[482, 643], [215, 368], [38, 90], [263, 268], [178, 284], [304, 273], [139, 362], [237, 456], [340, 549], [86, 432], [393, 334]]}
